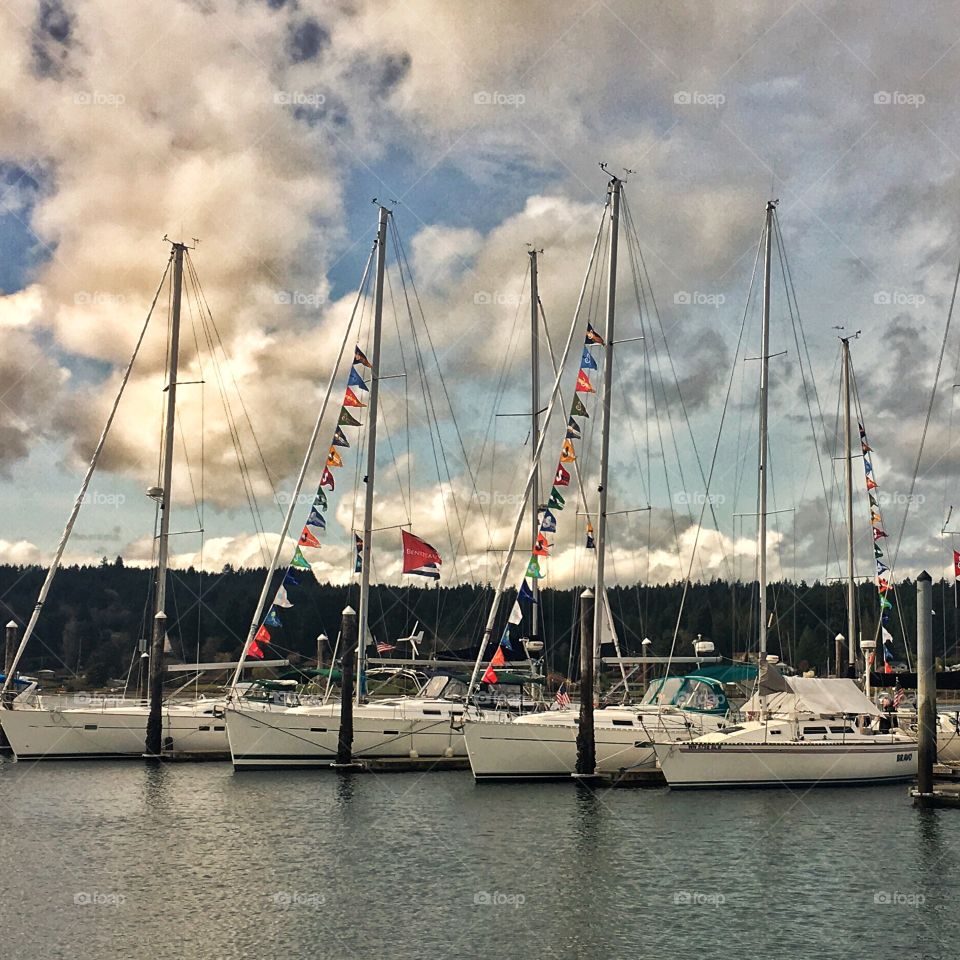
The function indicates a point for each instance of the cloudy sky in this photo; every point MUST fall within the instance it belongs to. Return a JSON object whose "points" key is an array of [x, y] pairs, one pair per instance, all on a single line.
{"points": [[266, 128]]}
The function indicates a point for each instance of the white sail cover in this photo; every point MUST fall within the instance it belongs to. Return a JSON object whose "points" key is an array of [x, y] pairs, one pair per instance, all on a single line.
{"points": [[821, 696]]}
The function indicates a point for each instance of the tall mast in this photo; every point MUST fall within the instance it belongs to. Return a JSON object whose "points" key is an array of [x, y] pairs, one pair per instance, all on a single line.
{"points": [[155, 684], [534, 430], [762, 456], [366, 552], [599, 610], [848, 469]]}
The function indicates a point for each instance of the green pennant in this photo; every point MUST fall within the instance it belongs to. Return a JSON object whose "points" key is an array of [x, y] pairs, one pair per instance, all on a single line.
{"points": [[347, 419], [299, 561], [877, 552], [533, 569], [556, 501], [578, 409], [320, 500]]}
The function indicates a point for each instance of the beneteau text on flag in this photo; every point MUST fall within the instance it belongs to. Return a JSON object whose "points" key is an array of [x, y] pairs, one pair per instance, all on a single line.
{"points": [[419, 558]]}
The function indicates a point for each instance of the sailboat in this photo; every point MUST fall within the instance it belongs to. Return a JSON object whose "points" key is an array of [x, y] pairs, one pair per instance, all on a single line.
{"points": [[113, 728], [543, 745], [420, 730], [798, 731]]}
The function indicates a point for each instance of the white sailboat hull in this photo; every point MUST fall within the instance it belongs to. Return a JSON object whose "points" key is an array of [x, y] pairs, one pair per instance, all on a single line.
{"points": [[116, 732], [710, 764], [544, 747], [417, 731]]}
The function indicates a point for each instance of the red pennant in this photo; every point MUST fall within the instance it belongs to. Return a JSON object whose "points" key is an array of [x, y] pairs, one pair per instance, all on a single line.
{"points": [[583, 383], [326, 479], [562, 479], [253, 650], [489, 676], [263, 636], [307, 539], [540, 550], [498, 659], [878, 533], [350, 399], [956, 565], [871, 484]]}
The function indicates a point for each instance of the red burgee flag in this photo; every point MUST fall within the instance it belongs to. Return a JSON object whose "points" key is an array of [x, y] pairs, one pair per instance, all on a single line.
{"points": [[562, 477], [498, 659], [956, 565], [307, 539], [326, 479], [583, 383], [263, 636], [253, 650], [419, 557], [350, 399], [489, 676]]}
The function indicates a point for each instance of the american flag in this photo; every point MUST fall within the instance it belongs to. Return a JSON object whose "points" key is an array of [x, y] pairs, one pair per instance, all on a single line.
{"points": [[898, 696], [384, 647], [562, 697]]}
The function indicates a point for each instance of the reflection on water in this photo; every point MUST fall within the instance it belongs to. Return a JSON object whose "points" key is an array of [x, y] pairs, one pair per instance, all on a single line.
{"points": [[193, 861]]}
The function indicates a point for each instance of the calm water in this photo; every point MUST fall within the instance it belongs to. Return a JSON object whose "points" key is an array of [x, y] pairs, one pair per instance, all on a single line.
{"points": [[193, 861]]}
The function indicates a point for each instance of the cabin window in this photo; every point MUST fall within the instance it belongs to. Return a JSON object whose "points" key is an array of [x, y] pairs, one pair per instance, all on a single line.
{"points": [[216, 729], [432, 713], [318, 729], [775, 733], [89, 726], [391, 733], [841, 730], [202, 728], [623, 723], [814, 730]]}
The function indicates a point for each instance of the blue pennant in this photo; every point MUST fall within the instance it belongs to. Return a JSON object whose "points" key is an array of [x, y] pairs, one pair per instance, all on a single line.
{"points": [[549, 523], [356, 380], [526, 593], [316, 519], [272, 619], [586, 361], [289, 580]]}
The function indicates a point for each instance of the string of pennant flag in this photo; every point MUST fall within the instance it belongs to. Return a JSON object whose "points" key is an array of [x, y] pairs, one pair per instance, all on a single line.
{"points": [[419, 558], [884, 587], [555, 503]]}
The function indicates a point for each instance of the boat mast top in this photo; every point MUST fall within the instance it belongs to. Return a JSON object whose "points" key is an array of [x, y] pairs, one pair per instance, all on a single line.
{"points": [[763, 446], [600, 542], [366, 551], [848, 472], [534, 428]]}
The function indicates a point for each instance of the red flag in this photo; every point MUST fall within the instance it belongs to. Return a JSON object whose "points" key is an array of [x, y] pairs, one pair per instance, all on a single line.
{"points": [[562, 479], [956, 565], [307, 539], [350, 399], [326, 479], [419, 557], [498, 659], [583, 383], [488, 676], [542, 546], [253, 650], [263, 636]]}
